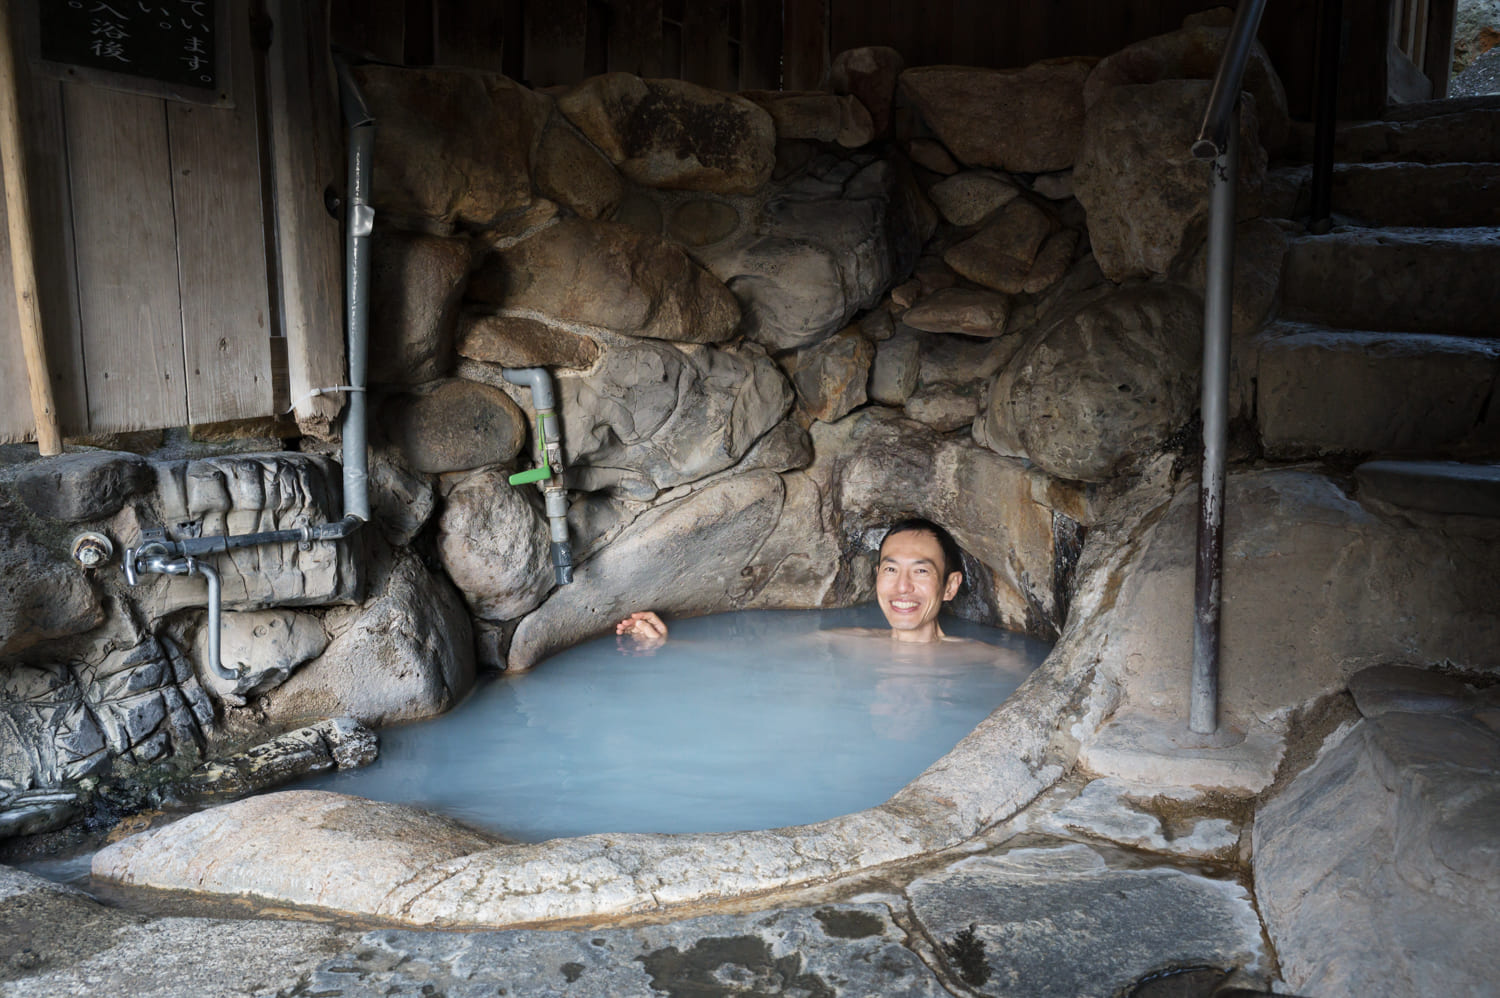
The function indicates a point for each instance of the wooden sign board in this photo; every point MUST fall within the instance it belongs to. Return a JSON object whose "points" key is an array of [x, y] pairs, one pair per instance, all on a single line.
{"points": [[176, 49]]}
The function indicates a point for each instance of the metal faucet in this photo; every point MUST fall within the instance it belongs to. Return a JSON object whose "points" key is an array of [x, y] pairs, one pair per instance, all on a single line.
{"points": [[153, 558]]}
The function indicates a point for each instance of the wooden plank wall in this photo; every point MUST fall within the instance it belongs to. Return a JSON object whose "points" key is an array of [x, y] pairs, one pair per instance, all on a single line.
{"points": [[152, 252], [778, 44]]}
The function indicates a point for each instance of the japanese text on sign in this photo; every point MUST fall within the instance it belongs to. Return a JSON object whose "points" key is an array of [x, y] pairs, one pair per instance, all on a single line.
{"points": [[167, 40]]}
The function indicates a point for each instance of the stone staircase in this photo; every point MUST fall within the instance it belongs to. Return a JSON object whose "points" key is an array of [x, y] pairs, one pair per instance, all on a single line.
{"points": [[1387, 341]]}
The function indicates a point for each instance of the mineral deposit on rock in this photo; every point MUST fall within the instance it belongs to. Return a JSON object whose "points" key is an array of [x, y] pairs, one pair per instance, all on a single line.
{"points": [[674, 134]]}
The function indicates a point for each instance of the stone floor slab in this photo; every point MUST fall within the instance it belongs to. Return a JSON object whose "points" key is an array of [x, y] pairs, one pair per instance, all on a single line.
{"points": [[1060, 922]]}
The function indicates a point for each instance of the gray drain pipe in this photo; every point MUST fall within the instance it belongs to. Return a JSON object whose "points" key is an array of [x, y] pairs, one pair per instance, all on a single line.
{"points": [[548, 473], [159, 555]]}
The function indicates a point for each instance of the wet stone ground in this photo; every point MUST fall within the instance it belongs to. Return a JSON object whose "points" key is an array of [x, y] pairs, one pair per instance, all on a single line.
{"points": [[1031, 909]]}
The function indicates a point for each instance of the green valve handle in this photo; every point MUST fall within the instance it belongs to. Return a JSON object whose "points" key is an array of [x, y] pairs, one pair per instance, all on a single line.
{"points": [[541, 471]]}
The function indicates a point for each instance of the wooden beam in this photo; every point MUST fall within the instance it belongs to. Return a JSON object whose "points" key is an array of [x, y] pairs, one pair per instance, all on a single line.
{"points": [[23, 265], [306, 158]]}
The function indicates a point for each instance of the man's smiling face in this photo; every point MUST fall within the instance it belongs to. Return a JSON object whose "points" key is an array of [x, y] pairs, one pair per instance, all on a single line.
{"points": [[911, 583]]}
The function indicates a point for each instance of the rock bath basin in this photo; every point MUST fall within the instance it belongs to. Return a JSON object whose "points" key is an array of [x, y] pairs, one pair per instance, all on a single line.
{"points": [[317, 849], [748, 720]]}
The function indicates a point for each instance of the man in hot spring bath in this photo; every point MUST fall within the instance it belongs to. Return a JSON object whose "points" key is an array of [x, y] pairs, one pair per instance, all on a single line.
{"points": [[918, 571]]}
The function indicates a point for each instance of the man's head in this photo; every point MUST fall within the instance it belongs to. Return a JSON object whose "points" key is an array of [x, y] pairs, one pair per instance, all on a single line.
{"points": [[920, 568]]}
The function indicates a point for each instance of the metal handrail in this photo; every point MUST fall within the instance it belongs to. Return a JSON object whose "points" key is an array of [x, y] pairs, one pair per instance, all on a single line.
{"points": [[1213, 135], [1218, 140]]}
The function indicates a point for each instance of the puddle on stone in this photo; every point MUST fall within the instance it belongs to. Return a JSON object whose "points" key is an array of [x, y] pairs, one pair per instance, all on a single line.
{"points": [[741, 721]]}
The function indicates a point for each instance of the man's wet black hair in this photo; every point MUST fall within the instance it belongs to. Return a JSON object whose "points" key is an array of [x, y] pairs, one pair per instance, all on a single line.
{"points": [[953, 559]]}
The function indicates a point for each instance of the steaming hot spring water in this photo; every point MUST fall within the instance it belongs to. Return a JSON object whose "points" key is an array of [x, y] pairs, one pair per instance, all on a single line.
{"points": [[741, 721]]}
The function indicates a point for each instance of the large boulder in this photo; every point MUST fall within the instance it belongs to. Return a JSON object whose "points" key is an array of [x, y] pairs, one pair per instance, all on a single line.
{"points": [[342, 842], [651, 415], [516, 341], [453, 145], [573, 173], [869, 74], [454, 425], [76, 488], [494, 546], [707, 539], [830, 376], [818, 249], [1019, 250], [674, 134], [1145, 194], [406, 654], [1025, 120], [1193, 53], [1378, 868], [263, 646], [815, 116], [123, 697], [968, 311], [242, 494], [43, 594], [1101, 387], [876, 467], [970, 197], [611, 276], [1315, 587], [416, 282]]}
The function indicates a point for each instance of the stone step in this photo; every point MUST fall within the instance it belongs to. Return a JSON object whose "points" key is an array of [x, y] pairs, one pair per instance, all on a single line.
{"points": [[1419, 280], [1452, 195], [1470, 134], [1433, 486], [1337, 391]]}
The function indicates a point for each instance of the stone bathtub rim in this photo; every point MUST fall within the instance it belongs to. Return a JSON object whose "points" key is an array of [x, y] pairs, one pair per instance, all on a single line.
{"points": [[993, 772]]}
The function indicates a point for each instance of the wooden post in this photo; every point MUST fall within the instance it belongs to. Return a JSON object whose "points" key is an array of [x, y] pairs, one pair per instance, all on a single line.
{"points": [[23, 264]]}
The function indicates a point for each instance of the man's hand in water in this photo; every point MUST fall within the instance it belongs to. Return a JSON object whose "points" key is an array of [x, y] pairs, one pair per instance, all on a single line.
{"points": [[640, 633]]}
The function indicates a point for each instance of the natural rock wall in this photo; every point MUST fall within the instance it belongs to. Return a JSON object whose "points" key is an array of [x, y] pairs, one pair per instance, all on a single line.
{"points": [[775, 322]]}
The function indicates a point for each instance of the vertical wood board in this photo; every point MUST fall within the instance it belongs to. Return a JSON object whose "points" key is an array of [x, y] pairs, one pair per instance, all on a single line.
{"points": [[805, 52], [556, 34], [221, 250], [127, 259], [760, 45], [468, 35], [370, 27], [705, 45], [635, 37], [52, 242], [307, 156]]}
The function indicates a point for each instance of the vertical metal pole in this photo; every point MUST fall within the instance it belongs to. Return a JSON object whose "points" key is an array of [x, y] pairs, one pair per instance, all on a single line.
{"points": [[1329, 48], [1203, 716]]}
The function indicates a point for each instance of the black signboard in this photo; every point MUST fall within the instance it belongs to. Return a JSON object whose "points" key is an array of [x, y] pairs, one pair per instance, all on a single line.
{"points": [[172, 42]]}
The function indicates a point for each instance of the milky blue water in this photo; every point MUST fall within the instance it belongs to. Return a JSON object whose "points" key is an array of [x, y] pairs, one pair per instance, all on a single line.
{"points": [[741, 721]]}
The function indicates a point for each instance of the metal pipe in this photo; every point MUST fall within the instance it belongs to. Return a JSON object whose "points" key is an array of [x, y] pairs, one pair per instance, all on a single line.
{"points": [[1224, 98], [158, 554], [359, 223], [548, 472], [1330, 52], [215, 616], [1217, 300]]}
